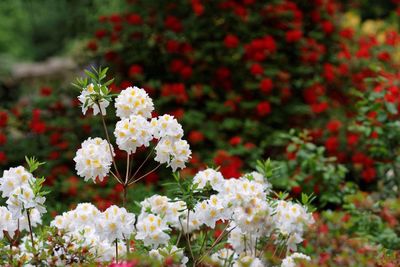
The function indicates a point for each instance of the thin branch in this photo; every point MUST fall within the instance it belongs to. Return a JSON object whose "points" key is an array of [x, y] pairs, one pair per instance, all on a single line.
{"points": [[141, 177], [108, 139], [141, 165], [220, 237]]}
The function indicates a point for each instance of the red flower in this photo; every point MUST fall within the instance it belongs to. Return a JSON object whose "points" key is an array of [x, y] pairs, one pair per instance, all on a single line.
{"points": [[134, 19], [3, 139], [256, 69], [115, 18], [266, 85], [151, 178], [3, 119], [110, 55], [260, 48], [230, 165], [231, 41], [352, 139], [319, 107], [263, 108], [327, 27], [332, 144], [125, 84], [176, 91], [347, 33], [197, 7], [135, 70], [384, 56], [38, 126], [293, 36], [329, 72], [323, 229], [173, 23], [92, 45], [178, 113], [172, 46], [334, 126], [186, 72], [101, 33], [196, 137], [45, 91], [3, 157], [296, 190], [176, 65], [236, 140], [55, 138], [54, 155], [369, 174]]}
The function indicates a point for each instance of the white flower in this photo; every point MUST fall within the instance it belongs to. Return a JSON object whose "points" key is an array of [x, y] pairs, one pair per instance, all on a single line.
{"points": [[35, 217], [210, 211], [133, 132], [248, 261], [151, 229], [289, 261], [116, 223], [175, 211], [133, 101], [253, 216], [166, 126], [94, 159], [259, 178], [224, 256], [291, 218], [13, 178], [239, 240], [87, 101], [174, 153], [6, 222], [155, 204], [23, 198], [211, 176], [175, 253]]}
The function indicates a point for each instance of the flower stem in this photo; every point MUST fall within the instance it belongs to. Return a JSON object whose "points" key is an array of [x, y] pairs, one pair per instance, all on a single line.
{"points": [[30, 229], [141, 165], [116, 250], [108, 140], [141, 177]]}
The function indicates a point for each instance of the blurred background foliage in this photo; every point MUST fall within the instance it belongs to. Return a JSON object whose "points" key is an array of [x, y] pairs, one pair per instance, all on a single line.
{"points": [[38, 29]]}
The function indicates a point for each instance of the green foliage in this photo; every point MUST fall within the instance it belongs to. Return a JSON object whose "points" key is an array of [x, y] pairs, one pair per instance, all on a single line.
{"points": [[38, 29], [310, 170]]}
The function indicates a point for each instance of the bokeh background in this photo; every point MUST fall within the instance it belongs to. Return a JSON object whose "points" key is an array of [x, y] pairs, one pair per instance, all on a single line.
{"points": [[238, 75]]}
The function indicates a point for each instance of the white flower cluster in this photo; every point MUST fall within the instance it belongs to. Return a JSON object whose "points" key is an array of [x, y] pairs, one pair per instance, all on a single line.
{"points": [[87, 100], [87, 226], [290, 220], [7, 223], [289, 261], [134, 101], [241, 203], [133, 130], [16, 185], [94, 159]]}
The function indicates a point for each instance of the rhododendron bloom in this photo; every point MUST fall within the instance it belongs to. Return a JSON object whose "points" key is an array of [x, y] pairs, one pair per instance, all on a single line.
{"points": [[13, 178], [134, 101], [7, 223], [151, 229], [94, 159], [133, 132], [88, 100]]}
